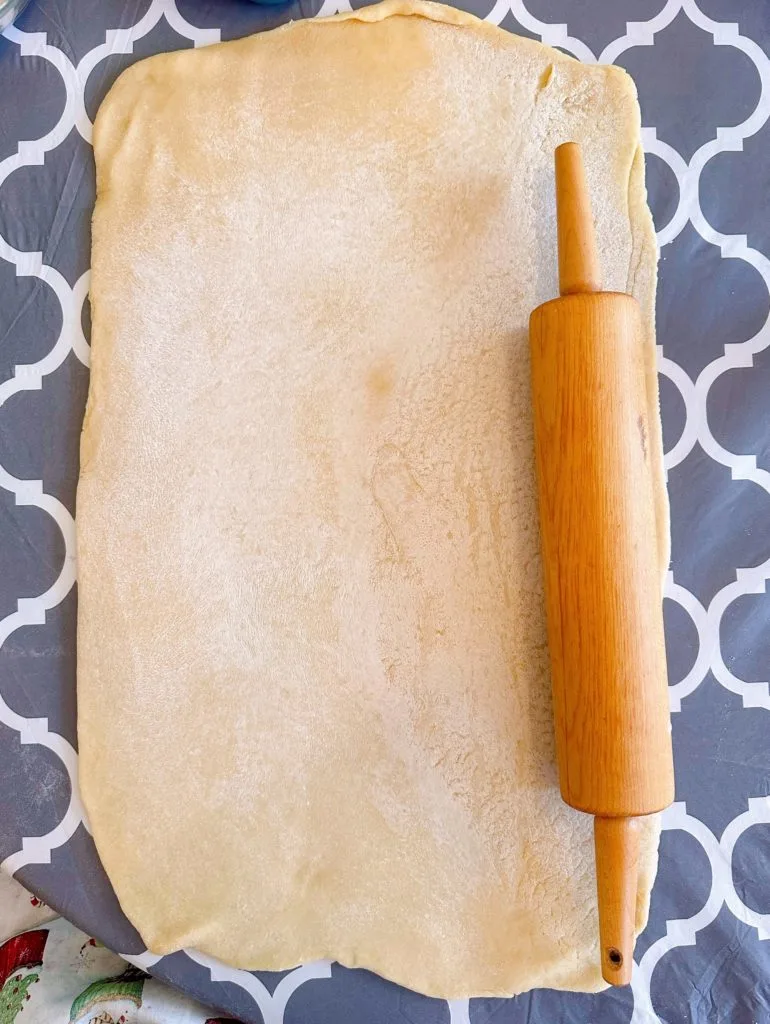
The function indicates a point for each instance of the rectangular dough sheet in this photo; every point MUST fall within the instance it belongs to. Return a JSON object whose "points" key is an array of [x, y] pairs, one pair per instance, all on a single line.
{"points": [[314, 705]]}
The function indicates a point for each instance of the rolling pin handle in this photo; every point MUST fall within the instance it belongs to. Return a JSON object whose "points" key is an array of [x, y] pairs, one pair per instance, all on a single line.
{"points": [[578, 259], [617, 866]]}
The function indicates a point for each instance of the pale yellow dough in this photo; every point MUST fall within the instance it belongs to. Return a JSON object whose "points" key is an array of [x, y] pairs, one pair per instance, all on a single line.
{"points": [[313, 689]]}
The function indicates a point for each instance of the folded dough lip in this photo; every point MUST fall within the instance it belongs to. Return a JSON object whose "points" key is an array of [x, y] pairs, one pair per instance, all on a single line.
{"points": [[313, 694]]}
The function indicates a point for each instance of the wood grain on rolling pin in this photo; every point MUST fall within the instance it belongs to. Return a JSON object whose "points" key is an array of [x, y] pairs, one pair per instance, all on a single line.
{"points": [[599, 535]]}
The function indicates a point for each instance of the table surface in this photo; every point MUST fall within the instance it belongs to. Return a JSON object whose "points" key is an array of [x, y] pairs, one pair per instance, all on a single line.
{"points": [[703, 74]]}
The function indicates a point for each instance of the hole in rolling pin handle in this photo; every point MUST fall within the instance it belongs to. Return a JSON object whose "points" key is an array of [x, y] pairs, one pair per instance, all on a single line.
{"points": [[615, 958]]}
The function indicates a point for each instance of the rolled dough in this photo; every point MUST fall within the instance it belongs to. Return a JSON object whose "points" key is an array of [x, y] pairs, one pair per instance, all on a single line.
{"points": [[314, 710]]}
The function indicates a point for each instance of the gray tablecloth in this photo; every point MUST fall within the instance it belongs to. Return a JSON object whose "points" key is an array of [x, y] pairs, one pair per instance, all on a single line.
{"points": [[703, 75]]}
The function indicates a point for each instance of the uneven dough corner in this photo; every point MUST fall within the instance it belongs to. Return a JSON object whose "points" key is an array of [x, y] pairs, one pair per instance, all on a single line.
{"points": [[314, 707]]}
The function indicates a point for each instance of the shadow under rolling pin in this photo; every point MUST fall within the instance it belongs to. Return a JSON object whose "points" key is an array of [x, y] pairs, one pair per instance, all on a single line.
{"points": [[600, 557]]}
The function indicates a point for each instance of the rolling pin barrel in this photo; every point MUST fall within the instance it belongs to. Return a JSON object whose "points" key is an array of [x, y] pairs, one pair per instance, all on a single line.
{"points": [[600, 556]]}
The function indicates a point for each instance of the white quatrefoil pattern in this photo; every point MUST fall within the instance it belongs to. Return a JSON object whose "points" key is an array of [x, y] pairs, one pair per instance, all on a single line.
{"points": [[703, 73]]}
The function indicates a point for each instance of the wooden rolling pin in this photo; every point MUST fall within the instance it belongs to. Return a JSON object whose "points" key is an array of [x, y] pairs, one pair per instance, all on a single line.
{"points": [[600, 557]]}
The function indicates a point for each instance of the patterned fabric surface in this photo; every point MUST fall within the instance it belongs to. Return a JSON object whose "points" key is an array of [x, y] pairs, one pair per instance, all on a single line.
{"points": [[703, 74], [52, 972]]}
